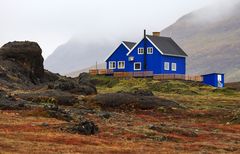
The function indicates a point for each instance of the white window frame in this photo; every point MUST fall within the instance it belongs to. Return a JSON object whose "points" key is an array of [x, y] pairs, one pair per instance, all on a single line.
{"points": [[140, 51], [174, 68], [123, 67], [135, 67], [110, 66], [150, 49], [166, 66]]}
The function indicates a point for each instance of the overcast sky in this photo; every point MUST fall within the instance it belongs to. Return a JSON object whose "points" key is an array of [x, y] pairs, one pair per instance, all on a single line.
{"points": [[53, 22]]}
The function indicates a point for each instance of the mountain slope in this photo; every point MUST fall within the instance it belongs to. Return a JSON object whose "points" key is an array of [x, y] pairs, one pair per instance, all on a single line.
{"points": [[211, 39], [76, 55]]}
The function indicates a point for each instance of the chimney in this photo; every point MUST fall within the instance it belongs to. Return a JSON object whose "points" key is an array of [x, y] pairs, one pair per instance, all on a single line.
{"points": [[156, 34]]}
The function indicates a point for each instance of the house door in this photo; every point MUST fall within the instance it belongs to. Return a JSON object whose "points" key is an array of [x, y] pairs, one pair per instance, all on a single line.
{"points": [[219, 79]]}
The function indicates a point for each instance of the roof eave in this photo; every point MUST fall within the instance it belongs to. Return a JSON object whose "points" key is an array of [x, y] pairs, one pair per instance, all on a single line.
{"points": [[175, 55]]}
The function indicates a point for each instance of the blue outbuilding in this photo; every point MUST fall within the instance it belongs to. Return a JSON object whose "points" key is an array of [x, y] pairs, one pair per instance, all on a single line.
{"points": [[214, 79]]}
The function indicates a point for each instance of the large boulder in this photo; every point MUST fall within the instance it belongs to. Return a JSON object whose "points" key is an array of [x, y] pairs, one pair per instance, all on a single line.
{"points": [[128, 101], [50, 96], [23, 59], [84, 78], [72, 86], [8, 102]]}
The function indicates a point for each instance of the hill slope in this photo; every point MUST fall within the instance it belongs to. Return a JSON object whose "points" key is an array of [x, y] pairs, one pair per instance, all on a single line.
{"points": [[77, 55], [211, 37]]}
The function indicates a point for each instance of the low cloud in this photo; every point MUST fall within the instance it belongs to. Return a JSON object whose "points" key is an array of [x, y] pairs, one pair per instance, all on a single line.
{"points": [[216, 12]]}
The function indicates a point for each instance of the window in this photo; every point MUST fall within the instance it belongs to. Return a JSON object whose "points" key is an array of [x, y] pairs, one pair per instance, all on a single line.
{"points": [[166, 66], [150, 50], [130, 58], [174, 67], [137, 66], [121, 64], [140, 51], [112, 65]]}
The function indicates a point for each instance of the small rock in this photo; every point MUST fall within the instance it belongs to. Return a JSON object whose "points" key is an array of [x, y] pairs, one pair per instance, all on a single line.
{"points": [[86, 128], [44, 124], [105, 115]]}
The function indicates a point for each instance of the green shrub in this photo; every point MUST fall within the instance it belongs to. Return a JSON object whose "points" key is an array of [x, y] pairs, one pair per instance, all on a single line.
{"points": [[225, 91], [104, 81]]}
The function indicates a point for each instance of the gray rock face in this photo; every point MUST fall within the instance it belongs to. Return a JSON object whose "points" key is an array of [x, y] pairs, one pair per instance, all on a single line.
{"points": [[23, 58]]}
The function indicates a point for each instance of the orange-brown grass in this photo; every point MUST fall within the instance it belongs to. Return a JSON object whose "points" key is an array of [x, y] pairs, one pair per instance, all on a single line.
{"points": [[22, 132]]}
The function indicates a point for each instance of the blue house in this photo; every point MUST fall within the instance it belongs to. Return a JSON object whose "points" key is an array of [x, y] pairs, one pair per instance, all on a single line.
{"points": [[214, 79], [155, 53]]}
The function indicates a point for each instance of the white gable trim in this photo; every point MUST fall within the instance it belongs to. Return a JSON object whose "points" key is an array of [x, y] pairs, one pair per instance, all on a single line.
{"points": [[125, 46], [134, 47], [115, 50], [155, 47], [144, 51]]}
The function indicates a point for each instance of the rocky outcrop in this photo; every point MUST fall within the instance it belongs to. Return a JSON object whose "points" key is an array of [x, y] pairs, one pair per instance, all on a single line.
{"points": [[72, 86], [85, 128], [23, 59], [21, 65], [24, 84], [128, 101], [8, 102], [55, 112], [50, 96]]}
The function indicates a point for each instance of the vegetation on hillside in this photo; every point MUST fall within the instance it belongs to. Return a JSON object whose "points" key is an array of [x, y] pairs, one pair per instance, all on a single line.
{"points": [[209, 121]]}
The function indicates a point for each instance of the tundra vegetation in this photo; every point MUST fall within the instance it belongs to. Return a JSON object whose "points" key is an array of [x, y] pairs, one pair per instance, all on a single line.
{"points": [[48, 113]]}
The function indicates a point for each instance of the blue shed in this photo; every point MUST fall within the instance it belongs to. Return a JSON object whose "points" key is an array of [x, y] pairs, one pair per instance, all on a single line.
{"points": [[214, 79]]}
